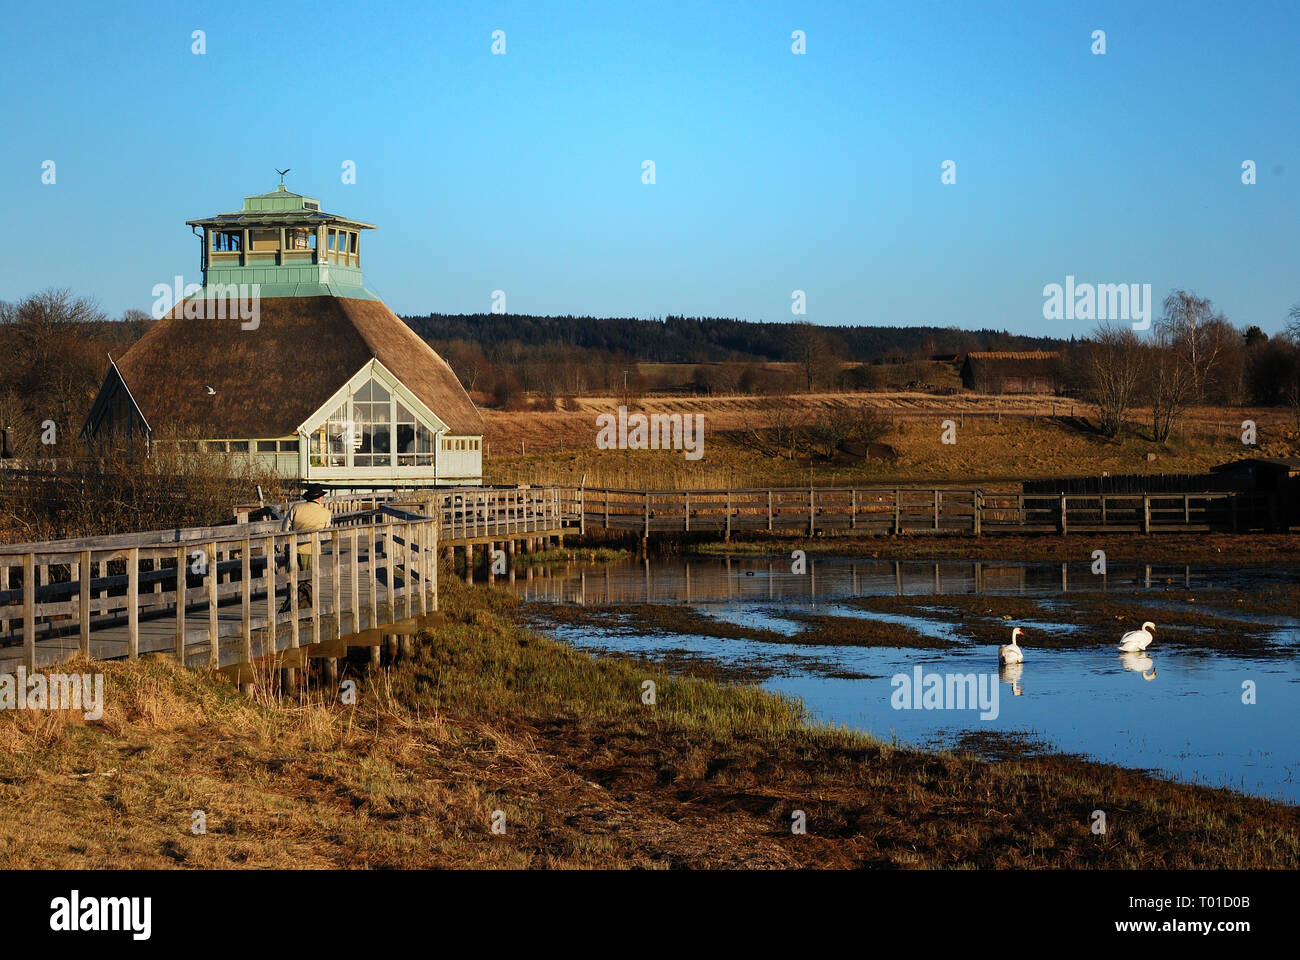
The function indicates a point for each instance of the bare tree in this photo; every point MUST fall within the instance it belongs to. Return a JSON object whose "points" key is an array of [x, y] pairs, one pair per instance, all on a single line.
{"points": [[1112, 365]]}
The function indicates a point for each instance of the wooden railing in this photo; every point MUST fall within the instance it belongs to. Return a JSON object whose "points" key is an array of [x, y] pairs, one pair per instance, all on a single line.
{"points": [[910, 510], [214, 596]]}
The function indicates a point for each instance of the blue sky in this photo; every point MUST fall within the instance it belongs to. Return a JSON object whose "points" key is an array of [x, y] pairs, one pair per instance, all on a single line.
{"points": [[774, 171]]}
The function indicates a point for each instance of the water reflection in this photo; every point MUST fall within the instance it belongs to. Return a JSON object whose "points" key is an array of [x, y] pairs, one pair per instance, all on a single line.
{"points": [[764, 578], [1084, 700], [1138, 662], [1010, 673]]}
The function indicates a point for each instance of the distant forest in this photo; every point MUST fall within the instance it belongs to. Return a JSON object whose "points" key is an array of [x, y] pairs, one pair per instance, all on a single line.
{"points": [[710, 339]]}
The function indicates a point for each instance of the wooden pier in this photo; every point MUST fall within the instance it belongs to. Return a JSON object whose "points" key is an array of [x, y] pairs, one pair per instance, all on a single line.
{"points": [[226, 597]]}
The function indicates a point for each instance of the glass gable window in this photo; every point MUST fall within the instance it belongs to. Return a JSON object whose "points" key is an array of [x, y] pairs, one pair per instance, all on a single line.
{"points": [[372, 411], [374, 429], [331, 440]]}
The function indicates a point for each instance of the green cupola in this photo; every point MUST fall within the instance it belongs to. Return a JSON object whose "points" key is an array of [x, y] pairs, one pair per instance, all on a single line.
{"points": [[284, 243]]}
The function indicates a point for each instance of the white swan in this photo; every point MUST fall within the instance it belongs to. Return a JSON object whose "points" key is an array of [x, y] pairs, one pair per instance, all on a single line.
{"points": [[1011, 652], [1136, 640], [1138, 663]]}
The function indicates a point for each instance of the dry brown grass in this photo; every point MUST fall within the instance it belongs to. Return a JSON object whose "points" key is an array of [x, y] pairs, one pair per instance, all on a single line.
{"points": [[489, 717], [1000, 439]]}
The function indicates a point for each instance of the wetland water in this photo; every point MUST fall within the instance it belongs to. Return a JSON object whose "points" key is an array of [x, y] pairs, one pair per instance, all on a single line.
{"points": [[1177, 710]]}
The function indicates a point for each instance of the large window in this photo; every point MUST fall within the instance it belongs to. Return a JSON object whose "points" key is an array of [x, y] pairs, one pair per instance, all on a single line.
{"points": [[374, 429], [372, 411], [331, 440]]}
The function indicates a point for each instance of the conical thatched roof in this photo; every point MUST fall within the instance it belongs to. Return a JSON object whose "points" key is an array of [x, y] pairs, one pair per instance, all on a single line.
{"points": [[270, 379]]}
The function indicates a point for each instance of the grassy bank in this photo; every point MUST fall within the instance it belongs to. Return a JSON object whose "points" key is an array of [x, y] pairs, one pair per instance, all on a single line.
{"points": [[991, 446], [491, 717]]}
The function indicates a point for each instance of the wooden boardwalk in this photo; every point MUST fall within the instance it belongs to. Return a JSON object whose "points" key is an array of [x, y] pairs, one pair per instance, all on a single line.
{"points": [[225, 597]]}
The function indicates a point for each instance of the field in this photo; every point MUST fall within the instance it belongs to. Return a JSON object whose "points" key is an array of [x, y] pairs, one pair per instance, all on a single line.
{"points": [[491, 717], [998, 438]]}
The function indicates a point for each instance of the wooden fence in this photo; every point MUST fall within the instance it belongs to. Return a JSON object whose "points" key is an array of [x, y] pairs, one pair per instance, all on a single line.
{"points": [[901, 510], [216, 596]]}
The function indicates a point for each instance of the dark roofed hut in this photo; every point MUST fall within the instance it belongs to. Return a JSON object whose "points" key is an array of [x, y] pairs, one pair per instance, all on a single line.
{"points": [[284, 357], [1029, 371]]}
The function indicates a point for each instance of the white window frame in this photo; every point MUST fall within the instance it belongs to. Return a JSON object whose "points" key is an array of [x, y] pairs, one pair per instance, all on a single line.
{"points": [[343, 396]]}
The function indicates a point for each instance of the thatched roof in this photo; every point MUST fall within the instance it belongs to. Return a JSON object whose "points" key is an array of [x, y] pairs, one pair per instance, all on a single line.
{"points": [[1014, 355], [1012, 362], [270, 379]]}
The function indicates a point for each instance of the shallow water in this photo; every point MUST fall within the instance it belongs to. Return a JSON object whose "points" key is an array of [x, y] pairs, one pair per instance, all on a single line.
{"points": [[1187, 721]]}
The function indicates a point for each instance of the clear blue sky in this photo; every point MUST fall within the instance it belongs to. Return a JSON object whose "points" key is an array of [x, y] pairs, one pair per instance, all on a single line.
{"points": [[775, 172]]}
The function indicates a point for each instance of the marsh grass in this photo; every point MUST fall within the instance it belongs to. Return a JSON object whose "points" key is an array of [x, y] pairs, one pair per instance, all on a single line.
{"points": [[488, 716]]}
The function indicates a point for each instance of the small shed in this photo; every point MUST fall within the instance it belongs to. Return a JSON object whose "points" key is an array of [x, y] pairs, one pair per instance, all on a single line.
{"points": [[1028, 371], [1278, 477]]}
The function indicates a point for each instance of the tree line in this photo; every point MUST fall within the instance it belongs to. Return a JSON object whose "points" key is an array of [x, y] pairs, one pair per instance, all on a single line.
{"points": [[1192, 355]]}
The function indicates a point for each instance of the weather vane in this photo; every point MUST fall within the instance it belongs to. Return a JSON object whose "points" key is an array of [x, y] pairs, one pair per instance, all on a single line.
{"points": [[281, 173]]}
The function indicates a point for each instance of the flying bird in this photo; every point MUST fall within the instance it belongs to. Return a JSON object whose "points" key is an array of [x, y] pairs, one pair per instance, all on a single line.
{"points": [[211, 392]]}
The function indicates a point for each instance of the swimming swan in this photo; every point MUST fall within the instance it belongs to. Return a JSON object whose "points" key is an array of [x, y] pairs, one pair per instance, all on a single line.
{"points": [[1011, 652], [1136, 640]]}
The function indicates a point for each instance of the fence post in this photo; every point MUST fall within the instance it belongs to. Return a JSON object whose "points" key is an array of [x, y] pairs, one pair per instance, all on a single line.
{"points": [[728, 516], [315, 586], [977, 499], [29, 612], [84, 602], [936, 509], [354, 564], [133, 603], [180, 604], [214, 643], [1064, 524], [853, 509], [898, 512], [769, 508], [812, 511], [293, 579], [1146, 514], [646, 535], [688, 511]]}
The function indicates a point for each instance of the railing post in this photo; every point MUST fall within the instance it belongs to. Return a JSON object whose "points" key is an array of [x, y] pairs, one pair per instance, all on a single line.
{"points": [[728, 515], [853, 509], [214, 643], [291, 575], [1064, 522], [898, 511], [687, 510], [812, 511], [354, 562], [1146, 514], [769, 508], [977, 500], [435, 530], [133, 603], [315, 587], [647, 516], [83, 600], [936, 509], [29, 612], [373, 573], [246, 571], [180, 604]]}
